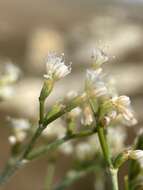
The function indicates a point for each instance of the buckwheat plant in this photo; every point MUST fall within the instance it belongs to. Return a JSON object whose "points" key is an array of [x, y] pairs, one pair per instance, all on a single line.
{"points": [[88, 126]]}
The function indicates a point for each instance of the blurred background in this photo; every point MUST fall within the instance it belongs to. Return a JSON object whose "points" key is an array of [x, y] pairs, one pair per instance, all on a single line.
{"points": [[30, 29]]}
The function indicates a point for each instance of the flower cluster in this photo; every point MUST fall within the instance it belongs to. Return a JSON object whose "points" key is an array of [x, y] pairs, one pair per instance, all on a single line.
{"points": [[112, 107], [93, 115]]}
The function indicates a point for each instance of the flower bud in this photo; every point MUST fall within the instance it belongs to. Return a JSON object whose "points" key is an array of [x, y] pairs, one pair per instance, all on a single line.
{"points": [[46, 89]]}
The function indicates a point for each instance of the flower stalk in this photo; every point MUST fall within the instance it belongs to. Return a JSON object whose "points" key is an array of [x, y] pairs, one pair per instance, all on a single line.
{"points": [[107, 156]]}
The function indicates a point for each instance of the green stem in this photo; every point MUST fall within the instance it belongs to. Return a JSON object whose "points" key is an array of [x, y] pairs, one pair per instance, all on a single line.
{"points": [[4, 177], [107, 156], [49, 176], [104, 146], [114, 178], [32, 142], [41, 114], [126, 182], [43, 150], [9, 170]]}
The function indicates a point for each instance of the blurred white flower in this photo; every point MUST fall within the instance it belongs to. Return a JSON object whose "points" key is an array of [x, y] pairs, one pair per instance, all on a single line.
{"points": [[116, 138], [6, 92], [99, 57], [56, 68], [84, 151], [136, 155], [95, 82], [19, 129], [19, 123], [12, 72], [9, 74], [75, 112], [55, 129], [12, 140], [67, 148]]}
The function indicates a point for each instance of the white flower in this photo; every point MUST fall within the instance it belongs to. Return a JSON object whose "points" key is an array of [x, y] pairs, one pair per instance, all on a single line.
{"points": [[66, 148], [19, 129], [19, 123], [122, 104], [12, 140], [56, 68], [99, 57], [12, 72], [136, 154], [6, 92], [94, 82]]}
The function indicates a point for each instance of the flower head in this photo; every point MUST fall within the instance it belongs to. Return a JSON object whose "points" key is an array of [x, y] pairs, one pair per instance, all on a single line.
{"points": [[123, 107], [56, 68]]}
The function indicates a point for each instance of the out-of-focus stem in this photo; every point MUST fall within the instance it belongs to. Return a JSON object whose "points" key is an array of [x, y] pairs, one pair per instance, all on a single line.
{"points": [[38, 152], [50, 175]]}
